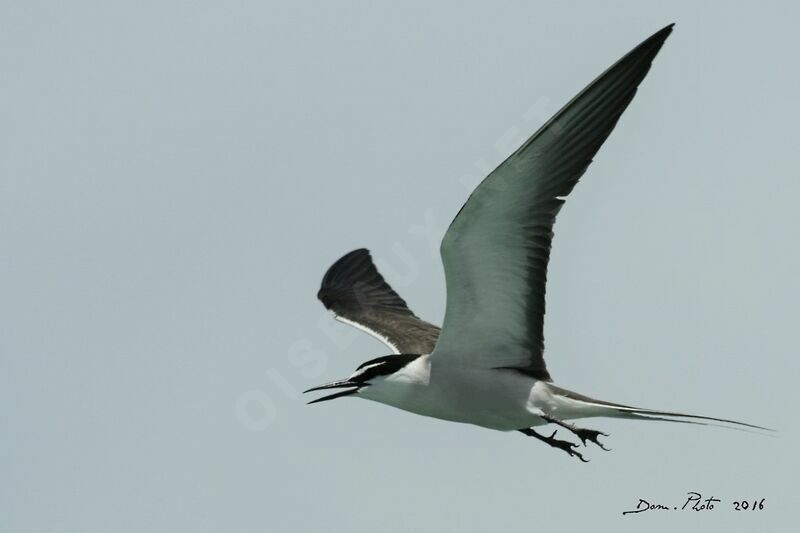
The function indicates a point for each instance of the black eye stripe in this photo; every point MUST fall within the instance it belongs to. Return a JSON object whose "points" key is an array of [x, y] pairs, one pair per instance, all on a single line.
{"points": [[382, 366]]}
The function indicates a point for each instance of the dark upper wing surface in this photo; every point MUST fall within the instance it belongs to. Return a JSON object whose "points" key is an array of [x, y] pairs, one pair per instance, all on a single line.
{"points": [[357, 294]]}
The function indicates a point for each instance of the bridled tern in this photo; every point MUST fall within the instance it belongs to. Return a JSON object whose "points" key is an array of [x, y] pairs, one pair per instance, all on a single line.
{"points": [[486, 366]]}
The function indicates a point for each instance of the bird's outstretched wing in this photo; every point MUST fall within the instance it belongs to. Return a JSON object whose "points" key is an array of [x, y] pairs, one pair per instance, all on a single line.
{"points": [[496, 250], [357, 294]]}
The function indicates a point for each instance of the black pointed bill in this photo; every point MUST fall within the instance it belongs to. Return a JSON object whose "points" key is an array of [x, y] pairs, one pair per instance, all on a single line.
{"points": [[336, 385]]}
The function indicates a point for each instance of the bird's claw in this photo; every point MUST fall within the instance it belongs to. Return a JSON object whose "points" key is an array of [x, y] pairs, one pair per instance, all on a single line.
{"points": [[591, 435], [565, 445], [555, 443]]}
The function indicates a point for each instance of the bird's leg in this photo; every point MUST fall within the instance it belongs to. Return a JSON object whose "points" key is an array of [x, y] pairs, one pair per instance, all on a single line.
{"points": [[555, 443], [582, 433]]}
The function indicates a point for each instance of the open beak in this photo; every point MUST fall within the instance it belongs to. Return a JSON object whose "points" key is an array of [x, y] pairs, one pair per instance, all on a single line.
{"points": [[336, 385]]}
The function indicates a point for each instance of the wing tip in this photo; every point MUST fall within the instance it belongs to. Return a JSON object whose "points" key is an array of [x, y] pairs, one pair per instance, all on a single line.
{"points": [[668, 28], [344, 267], [652, 45], [354, 279]]}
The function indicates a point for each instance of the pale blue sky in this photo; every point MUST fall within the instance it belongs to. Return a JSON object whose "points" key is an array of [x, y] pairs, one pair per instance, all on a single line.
{"points": [[177, 176]]}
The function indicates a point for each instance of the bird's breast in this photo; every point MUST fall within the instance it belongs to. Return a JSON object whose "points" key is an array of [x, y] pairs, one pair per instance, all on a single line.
{"points": [[491, 398]]}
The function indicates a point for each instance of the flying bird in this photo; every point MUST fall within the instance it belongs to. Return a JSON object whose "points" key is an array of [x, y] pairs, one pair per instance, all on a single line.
{"points": [[486, 365]]}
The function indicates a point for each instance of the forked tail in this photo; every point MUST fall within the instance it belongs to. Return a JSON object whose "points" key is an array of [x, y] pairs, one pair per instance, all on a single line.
{"points": [[666, 416], [626, 411]]}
